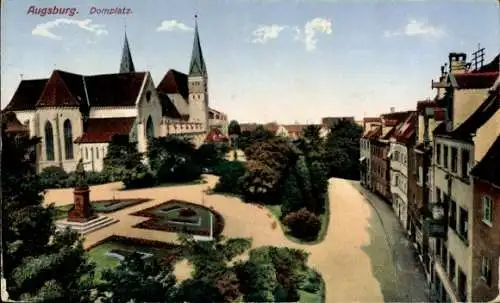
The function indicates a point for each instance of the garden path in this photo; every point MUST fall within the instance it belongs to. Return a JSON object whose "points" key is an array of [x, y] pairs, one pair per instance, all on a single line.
{"points": [[341, 258]]}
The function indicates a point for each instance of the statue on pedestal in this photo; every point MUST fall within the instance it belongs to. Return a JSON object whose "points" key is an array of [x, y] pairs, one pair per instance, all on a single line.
{"points": [[81, 211]]}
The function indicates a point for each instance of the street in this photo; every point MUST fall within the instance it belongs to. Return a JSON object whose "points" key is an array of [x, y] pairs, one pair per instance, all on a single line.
{"points": [[400, 275]]}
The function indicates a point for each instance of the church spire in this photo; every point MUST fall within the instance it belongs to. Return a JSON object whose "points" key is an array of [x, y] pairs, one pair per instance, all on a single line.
{"points": [[197, 66], [126, 65]]}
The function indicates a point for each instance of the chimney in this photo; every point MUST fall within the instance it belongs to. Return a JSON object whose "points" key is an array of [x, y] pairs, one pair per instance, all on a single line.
{"points": [[457, 63], [393, 109]]}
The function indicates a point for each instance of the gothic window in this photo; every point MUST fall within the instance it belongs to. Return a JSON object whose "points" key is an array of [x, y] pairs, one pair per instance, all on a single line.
{"points": [[68, 140], [49, 141], [148, 96], [97, 152], [150, 130]]}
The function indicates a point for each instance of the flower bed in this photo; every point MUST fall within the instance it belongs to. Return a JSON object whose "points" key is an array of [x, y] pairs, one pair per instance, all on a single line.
{"points": [[159, 219]]}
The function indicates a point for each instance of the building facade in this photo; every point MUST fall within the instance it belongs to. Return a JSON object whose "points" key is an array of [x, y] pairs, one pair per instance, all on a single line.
{"points": [[369, 125], [401, 142], [471, 103], [76, 115], [486, 227]]}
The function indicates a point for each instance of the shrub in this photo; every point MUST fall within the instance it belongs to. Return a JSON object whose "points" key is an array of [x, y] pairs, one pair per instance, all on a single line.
{"points": [[230, 174], [139, 177], [303, 224], [311, 282], [53, 177], [93, 178]]}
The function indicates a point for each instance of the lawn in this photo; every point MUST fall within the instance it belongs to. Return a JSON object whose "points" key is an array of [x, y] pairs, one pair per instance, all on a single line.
{"points": [[98, 254], [101, 206], [275, 210]]}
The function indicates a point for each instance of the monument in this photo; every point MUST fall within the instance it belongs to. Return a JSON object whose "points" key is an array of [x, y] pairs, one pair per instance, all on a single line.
{"points": [[81, 217], [81, 211]]}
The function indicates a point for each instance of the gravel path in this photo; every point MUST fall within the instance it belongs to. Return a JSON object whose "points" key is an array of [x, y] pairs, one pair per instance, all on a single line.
{"points": [[355, 258]]}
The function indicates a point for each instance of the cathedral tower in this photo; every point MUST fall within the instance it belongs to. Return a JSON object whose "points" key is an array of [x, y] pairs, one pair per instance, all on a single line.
{"points": [[126, 65], [198, 83]]}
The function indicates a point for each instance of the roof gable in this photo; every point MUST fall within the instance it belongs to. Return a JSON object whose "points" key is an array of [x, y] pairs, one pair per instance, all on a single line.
{"points": [[27, 95], [174, 82], [59, 88]]}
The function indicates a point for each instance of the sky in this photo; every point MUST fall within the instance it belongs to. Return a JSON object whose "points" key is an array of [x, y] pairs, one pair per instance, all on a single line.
{"points": [[268, 60]]}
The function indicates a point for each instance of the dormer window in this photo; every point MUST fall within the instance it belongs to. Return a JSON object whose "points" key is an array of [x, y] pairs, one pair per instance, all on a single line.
{"points": [[148, 96]]}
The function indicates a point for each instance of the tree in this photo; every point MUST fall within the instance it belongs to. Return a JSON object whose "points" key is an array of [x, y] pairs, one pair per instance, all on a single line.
{"points": [[212, 280], [230, 174], [122, 156], [342, 150], [172, 159], [292, 198], [234, 131], [234, 128], [210, 154], [137, 280], [311, 132], [39, 264]]}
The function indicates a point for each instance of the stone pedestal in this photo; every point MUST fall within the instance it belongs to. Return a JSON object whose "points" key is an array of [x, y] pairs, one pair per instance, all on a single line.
{"points": [[82, 210]]}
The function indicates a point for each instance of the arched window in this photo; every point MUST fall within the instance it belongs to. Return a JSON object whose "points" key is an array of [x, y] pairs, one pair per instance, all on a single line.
{"points": [[49, 142], [150, 130], [97, 152], [68, 140], [86, 153]]}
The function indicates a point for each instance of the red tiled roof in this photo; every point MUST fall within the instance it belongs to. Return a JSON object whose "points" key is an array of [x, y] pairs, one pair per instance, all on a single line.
{"points": [[27, 95], [404, 131], [476, 80], [114, 89], [62, 89], [101, 130], [68, 89], [175, 82], [215, 135], [374, 133]]}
